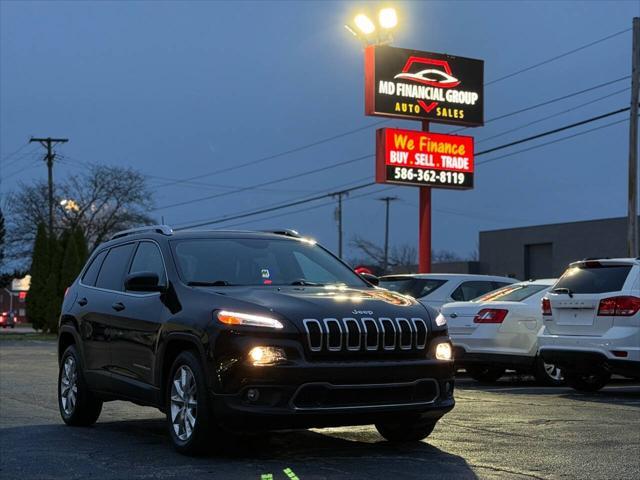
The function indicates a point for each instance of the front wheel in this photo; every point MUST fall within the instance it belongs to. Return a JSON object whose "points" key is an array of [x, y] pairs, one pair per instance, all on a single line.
{"points": [[189, 418], [485, 373], [548, 374], [78, 406], [588, 382], [408, 430]]}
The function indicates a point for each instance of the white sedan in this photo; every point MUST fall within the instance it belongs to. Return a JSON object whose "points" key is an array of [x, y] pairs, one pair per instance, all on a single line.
{"points": [[436, 289], [498, 331]]}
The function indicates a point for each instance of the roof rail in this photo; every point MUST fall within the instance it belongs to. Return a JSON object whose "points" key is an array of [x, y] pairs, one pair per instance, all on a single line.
{"points": [[162, 229], [285, 231]]}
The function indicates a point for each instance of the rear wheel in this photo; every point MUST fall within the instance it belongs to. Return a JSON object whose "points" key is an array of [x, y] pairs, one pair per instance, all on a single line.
{"points": [[588, 382], [78, 406], [408, 430], [485, 373], [189, 419], [548, 374]]}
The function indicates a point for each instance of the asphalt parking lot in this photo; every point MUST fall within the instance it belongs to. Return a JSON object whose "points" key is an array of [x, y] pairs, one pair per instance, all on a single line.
{"points": [[513, 429]]}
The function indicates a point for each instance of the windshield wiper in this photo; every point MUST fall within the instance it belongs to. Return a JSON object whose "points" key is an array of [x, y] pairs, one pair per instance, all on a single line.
{"points": [[305, 283], [563, 290], [217, 283]]}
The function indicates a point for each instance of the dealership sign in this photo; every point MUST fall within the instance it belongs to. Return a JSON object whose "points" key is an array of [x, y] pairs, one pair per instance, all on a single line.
{"points": [[423, 86], [424, 159]]}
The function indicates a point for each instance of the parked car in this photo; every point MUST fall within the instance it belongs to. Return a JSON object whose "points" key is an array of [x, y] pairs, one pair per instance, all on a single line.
{"points": [[592, 322], [498, 331], [435, 289], [237, 331], [7, 319]]}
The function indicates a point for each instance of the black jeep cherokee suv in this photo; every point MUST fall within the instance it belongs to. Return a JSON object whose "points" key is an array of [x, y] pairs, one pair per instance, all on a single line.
{"points": [[234, 332]]}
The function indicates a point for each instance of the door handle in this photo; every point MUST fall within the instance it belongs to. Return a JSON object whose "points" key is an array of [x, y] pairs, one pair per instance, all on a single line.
{"points": [[118, 307], [82, 302]]}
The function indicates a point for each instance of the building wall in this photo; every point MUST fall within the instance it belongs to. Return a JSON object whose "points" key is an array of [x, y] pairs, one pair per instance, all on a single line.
{"points": [[550, 248]]}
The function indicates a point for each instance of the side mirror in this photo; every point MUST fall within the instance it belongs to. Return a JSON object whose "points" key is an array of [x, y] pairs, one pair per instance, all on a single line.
{"points": [[372, 279], [143, 282]]}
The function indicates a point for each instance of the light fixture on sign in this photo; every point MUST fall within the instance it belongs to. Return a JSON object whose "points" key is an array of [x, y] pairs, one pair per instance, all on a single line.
{"points": [[388, 18], [368, 32]]}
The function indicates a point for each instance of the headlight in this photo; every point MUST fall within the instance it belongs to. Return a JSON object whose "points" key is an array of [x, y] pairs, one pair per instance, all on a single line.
{"points": [[261, 356], [443, 351], [441, 320], [247, 319]]}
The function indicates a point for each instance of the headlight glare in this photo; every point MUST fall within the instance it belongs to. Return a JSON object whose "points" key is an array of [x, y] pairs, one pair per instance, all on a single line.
{"points": [[443, 351], [247, 319], [261, 356]]}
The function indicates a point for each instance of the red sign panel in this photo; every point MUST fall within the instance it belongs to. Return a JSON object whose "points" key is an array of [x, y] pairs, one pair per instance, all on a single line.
{"points": [[425, 159]]}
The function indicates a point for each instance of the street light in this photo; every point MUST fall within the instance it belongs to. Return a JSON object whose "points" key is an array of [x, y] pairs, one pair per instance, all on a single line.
{"points": [[365, 29]]}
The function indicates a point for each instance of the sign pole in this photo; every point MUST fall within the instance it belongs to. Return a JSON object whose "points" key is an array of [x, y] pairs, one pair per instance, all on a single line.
{"points": [[424, 237]]}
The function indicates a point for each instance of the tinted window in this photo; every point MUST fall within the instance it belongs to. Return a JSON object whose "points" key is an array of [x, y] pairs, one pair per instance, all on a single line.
{"points": [[260, 261], [111, 274], [91, 273], [511, 293], [594, 278], [470, 290], [416, 287], [148, 259]]}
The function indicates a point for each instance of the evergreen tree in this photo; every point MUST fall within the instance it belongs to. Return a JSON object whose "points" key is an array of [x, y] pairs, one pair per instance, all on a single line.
{"points": [[37, 302], [2, 233], [71, 264], [81, 246], [53, 290]]}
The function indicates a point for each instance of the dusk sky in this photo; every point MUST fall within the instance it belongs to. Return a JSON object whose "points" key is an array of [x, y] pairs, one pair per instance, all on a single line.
{"points": [[185, 89]]}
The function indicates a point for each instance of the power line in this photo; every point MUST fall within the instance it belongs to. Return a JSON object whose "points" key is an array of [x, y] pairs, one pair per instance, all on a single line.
{"points": [[528, 124], [302, 201], [553, 141], [551, 132], [271, 182], [557, 57], [9, 155]]}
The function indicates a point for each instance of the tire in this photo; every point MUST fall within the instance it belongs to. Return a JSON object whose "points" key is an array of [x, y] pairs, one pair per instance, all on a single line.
{"points": [[78, 406], [587, 382], [548, 374], [485, 373], [409, 430], [189, 417]]}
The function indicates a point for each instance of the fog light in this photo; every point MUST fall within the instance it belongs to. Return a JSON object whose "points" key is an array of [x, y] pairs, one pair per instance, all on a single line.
{"points": [[253, 394], [443, 351], [266, 355]]}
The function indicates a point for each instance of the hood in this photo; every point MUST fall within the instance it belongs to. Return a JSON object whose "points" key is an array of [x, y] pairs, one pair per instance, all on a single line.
{"points": [[298, 303]]}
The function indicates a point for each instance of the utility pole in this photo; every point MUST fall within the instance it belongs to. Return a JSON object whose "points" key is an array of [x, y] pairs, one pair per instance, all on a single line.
{"points": [[632, 221], [338, 215], [48, 144], [387, 201]]}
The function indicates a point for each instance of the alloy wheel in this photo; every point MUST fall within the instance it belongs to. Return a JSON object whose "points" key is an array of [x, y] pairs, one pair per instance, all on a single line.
{"points": [[69, 385], [553, 372], [184, 405]]}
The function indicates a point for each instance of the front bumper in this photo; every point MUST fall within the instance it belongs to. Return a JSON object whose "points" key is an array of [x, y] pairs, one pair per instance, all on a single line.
{"points": [[322, 394]]}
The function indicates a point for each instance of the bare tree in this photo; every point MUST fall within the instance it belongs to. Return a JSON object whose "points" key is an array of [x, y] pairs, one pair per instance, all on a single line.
{"points": [[101, 201], [403, 257]]}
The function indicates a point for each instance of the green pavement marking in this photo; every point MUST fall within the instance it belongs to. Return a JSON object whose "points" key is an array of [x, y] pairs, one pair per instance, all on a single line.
{"points": [[289, 473], [266, 476]]}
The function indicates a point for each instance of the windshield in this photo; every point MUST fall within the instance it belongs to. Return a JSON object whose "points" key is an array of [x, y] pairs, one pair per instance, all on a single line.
{"points": [[511, 293], [416, 287], [258, 261], [594, 277]]}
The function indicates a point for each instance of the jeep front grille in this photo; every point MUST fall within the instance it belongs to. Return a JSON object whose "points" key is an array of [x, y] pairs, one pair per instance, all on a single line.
{"points": [[366, 334]]}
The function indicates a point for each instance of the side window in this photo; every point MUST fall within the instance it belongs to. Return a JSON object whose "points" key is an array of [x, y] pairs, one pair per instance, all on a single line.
{"points": [[91, 273], [149, 259], [111, 274], [470, 290]]}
